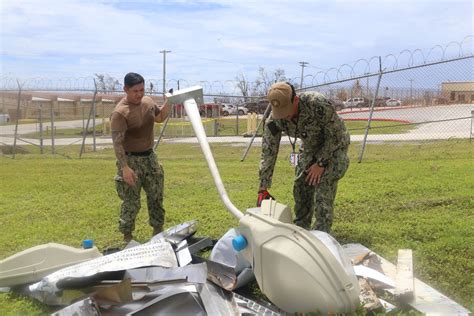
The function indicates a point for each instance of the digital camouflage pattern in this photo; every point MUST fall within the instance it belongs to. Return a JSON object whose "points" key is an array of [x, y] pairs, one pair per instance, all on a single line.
{"points": [[324, 138], [150, 176]]}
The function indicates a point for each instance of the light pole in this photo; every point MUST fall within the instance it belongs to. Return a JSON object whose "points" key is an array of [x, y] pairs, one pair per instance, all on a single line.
{"points": [[164, 68]]}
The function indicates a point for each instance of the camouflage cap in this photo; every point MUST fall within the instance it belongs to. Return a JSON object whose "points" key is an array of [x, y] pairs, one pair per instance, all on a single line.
{"points": [[279, 97]]}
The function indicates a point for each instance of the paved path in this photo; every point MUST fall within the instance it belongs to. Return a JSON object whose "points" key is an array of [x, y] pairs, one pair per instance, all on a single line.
{"points": [[456, 121], [34, 127]]}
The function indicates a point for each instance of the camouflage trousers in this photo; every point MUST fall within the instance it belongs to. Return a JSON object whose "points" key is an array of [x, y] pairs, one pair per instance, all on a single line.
{"points": [[151, 178], [318, 200]]}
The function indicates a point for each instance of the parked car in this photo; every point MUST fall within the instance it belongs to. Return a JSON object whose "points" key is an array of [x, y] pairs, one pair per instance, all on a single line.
{"points": [[242, 110], [381, 101], [230, 109], [356, 102], [210, 110], [393, 102], [257, 107], [4, 118]]}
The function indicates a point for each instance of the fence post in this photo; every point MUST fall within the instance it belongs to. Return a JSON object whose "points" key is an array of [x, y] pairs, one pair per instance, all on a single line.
{"points": [[163, 128], [53, 130], [371, 111], [40, 118], [94, 104], [472, 118], [215, 127], [83, 117], [237, 122], [88, 120], [17, 118]]}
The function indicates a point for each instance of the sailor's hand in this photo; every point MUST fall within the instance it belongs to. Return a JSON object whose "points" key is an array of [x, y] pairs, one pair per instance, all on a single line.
{"points": [[129, 176], [263, 195], [315, 173]]}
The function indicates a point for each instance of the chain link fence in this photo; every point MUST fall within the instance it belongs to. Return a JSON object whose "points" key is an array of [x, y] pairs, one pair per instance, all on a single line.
{"points": [[50, 121], [414, 96], [433, 101]]}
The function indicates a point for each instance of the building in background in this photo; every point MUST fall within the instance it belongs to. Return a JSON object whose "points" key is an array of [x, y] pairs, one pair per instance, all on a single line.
{"points": [[458, 91]]}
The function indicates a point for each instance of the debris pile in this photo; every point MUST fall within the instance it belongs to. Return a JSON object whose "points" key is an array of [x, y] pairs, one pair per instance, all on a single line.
{"points": [[168, 276], [165, 274]]}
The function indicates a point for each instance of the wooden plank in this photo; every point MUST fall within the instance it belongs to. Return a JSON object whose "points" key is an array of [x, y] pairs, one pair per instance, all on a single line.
{"points": [[367, 296], [425, 298], [404, 282]]}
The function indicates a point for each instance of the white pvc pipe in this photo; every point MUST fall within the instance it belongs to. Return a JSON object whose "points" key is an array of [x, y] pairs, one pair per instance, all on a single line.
{"points": [[193, 113]]}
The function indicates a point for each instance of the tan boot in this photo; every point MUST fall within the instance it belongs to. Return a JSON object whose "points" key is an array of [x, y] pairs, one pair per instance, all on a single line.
{"points": [[127, 237], [157, 230]]}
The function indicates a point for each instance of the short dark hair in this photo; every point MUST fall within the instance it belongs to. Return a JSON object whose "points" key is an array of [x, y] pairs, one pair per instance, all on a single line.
{"points": [[293, 91], [132, 79]]}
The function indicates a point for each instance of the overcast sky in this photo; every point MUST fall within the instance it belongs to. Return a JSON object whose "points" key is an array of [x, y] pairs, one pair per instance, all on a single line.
{"points": [[216, 40]]}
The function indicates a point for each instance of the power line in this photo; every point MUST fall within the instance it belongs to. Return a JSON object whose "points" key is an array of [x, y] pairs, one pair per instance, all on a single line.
{"points": [[216, 60]]}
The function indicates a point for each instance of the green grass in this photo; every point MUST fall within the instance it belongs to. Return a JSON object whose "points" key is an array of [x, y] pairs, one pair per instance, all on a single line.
{"points": [[226, 127], [400, 196]]}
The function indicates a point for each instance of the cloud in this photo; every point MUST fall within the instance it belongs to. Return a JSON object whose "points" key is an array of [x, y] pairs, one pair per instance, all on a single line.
{"points": [[215, 40]]}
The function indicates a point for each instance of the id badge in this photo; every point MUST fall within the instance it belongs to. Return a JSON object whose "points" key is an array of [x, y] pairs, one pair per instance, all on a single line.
{"points": [[294, 159]]}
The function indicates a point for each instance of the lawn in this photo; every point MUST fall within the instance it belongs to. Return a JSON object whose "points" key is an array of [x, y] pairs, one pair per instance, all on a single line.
{"points": [[228, 126], [401, 196]]}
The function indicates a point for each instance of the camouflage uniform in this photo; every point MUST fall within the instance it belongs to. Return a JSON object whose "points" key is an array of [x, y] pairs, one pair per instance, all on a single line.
{"points": [[324, 138], [151, 177]]}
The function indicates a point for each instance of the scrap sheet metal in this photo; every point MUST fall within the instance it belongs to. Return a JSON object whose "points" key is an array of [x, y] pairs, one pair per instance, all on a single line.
{"points": [[156, 253], [194, 273], [425, 299], [155, 265]]}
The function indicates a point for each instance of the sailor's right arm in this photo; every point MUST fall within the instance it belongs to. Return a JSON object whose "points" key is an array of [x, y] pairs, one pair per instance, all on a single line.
{"points": [[118, 138]]}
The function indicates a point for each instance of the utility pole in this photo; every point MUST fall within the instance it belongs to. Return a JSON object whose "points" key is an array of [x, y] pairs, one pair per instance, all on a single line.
{"points": [[303, 64], [164, 68]]}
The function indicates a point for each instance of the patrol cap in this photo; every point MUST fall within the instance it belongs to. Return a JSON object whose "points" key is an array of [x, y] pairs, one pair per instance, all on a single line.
{"points": [[279, 96]]}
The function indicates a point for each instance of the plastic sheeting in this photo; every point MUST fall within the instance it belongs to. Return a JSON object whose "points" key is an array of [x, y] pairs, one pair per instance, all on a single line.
{"points": [[224, 253]]}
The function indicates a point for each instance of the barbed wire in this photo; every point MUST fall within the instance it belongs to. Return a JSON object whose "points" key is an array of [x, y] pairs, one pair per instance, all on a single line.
{"points": [[347, 71], [392, 62]]}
